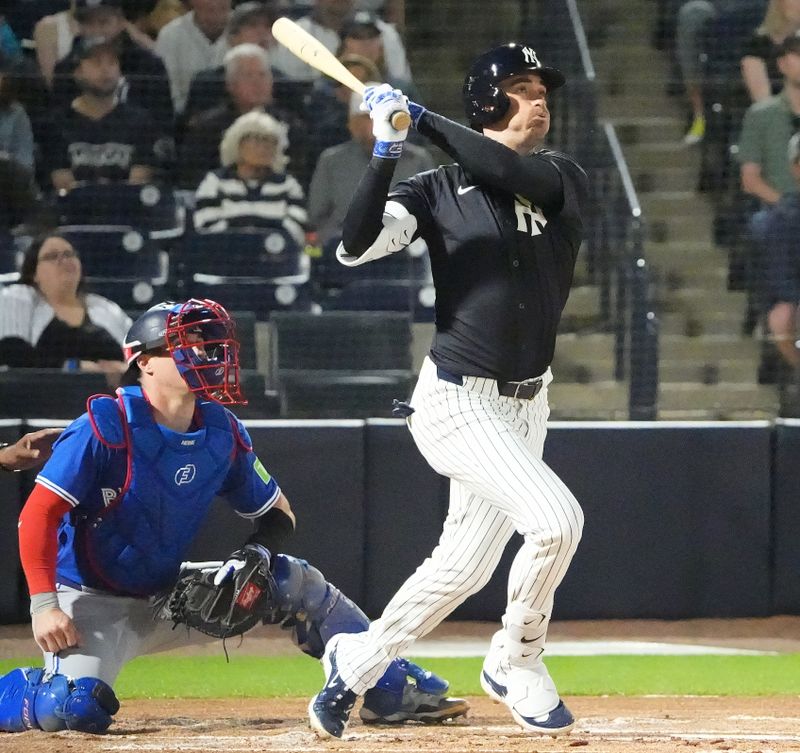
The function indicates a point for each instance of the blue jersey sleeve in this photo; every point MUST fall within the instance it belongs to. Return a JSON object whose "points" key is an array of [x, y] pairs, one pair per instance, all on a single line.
{"points": [[77, 469], [249, 487]]}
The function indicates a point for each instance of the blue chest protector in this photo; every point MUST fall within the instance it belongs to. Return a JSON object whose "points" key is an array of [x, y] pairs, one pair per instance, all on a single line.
{"points": [[135, 545]]}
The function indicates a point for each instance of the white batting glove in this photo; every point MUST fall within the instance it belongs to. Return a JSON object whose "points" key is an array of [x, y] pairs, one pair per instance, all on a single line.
{"points": [[383, 102]]}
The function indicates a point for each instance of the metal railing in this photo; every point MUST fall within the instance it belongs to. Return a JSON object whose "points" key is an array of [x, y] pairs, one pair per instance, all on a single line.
{"points": [[615, 225]]}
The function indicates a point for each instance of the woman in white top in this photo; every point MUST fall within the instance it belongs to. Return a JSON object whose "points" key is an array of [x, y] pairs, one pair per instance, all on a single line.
{"points": [[53, 36], [49, 321]]}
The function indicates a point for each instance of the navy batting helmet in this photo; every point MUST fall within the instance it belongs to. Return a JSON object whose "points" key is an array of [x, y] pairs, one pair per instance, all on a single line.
{"points": [[484, 101], [201, 338]]}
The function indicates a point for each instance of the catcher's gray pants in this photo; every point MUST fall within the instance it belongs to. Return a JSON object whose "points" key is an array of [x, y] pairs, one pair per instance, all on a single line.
{"points": [[491, 447], [112, 630]]}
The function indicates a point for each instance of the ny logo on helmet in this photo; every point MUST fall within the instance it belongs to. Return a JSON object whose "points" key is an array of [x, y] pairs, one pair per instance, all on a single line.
{"points": [[530, 57], [185, 475]]}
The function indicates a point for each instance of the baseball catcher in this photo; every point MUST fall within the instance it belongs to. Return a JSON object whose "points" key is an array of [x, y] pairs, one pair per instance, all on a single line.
{"points": [[107, 526]]}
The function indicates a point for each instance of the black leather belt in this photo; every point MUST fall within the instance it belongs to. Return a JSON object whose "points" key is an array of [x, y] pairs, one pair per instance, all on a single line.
{"points": [[525, 390]]}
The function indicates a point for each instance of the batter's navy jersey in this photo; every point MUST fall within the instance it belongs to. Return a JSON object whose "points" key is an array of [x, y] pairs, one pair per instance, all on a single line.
{"points": [[502, 267], [89, 475]]}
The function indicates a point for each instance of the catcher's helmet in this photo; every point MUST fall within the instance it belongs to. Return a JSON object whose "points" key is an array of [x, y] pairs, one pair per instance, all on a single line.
{"points": [[484, 101], [201, 338]]}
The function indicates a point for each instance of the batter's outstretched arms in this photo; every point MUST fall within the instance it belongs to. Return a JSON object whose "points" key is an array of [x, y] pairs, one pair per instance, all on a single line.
{"points": [[374, 228]]}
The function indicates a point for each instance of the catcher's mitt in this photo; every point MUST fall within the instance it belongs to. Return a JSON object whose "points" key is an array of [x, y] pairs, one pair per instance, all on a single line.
{"points": [[228, 609]]}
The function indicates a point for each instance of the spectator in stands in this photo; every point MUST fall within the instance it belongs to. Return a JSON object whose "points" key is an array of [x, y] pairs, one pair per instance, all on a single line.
{"points": [[193, 42], [16, 136], [693, 17], [53, 36], [767, 127], [9, 44], [339, 169], [252, 189], [49, 321], [100, 138], [329, 104], [391, 11], [760, 69], [361, 35], [248, 83], [144, 79], [250, 23], [325, 22], [150, 16], [17, 191], [781, 264]]}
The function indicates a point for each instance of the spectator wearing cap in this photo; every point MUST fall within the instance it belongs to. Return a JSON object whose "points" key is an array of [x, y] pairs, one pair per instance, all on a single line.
{"points": [[193, 42], [249, 23], [325, 22], [339, 170], [781, 264], [144, 79], [248, 86], [329, 104], [252, 188], [99, 138], [361, 35]]}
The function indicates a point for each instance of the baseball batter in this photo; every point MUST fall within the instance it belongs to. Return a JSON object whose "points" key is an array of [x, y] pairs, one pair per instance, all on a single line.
{"points": [[115, 508], [503, 228]]}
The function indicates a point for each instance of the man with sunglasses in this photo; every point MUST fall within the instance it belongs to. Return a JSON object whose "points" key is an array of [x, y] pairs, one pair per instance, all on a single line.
{"points": [[114, 510]]}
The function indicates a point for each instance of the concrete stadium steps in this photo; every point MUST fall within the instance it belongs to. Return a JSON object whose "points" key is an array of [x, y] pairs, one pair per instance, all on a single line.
{"points": [[671, 178], [682, 203], [606, 400], [715, 347], [689, 324], [707, 370], [655, 128], [698, 301], [724, 400]]}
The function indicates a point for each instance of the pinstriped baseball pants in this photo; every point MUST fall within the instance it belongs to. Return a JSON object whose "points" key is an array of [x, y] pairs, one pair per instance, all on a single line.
{"points": [[491, 449]]}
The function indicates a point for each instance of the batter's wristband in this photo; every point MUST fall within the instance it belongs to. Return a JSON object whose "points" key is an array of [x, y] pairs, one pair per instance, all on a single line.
{"points": [[388, 149], [44, 601], [416, 112]]}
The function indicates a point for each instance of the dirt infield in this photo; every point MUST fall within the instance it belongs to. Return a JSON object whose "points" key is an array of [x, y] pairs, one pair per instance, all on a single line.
{"points": [[606, 725], [610, 724]]}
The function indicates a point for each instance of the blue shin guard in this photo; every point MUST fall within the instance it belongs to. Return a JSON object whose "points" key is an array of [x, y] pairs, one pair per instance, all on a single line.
{"points": [[31, 700], [316, 610]]}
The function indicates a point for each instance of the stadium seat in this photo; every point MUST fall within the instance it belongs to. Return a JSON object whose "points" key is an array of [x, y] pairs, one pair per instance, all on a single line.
{"points": [[47, 393], [409, 264], [152, 208], [120, 262], [260, 271], [416, 298], [8, 259], [341, 364]]}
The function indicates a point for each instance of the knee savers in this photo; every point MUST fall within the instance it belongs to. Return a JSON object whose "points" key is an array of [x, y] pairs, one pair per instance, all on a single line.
{"points": [[31, 700], [311, 607]]}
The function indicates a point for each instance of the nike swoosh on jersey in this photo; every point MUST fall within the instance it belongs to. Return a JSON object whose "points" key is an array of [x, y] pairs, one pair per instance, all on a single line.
{"points": [[464, 189]]}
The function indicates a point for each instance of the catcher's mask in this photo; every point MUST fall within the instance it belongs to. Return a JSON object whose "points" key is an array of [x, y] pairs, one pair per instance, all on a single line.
{"points": [[484, 101], [201, 338]]}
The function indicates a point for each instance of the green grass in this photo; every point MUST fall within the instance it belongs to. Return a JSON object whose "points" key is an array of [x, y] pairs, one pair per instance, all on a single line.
{"points": [[211, 677]]}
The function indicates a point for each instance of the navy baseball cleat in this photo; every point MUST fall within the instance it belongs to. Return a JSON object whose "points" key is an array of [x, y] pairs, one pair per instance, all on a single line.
{"points": [[395, 699], [531, 696], [329, 710]]}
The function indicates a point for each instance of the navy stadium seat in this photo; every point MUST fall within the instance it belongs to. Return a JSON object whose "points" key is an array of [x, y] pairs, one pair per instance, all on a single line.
{"points": [[150, 207], [416, 298], [341, 364], [260, 271], [121, 263]]}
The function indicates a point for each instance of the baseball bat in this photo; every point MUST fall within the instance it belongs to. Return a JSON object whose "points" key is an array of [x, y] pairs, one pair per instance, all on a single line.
{"points": [[310, 50]]}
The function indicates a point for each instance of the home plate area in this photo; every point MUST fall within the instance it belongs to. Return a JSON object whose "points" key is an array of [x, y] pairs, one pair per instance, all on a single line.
{"points": [[606, 725]]}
